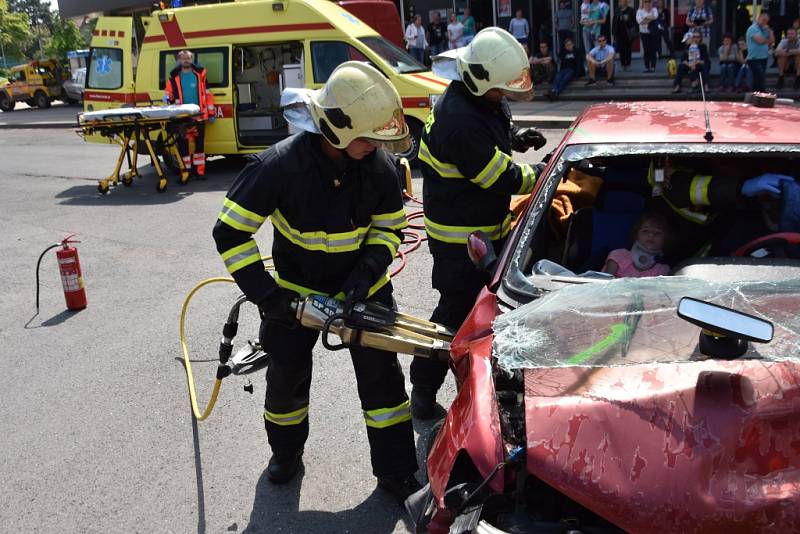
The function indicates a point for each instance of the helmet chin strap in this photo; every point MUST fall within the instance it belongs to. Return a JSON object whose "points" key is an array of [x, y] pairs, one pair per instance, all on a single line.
{"points": [[644, 258]]}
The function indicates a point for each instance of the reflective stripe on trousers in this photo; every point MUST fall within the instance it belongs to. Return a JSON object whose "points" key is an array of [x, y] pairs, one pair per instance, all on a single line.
{"points": [[386, 417], [287, 419]]}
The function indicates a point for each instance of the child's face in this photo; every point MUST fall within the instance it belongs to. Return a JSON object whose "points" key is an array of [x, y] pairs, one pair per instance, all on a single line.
{"points": [[651, 235]]}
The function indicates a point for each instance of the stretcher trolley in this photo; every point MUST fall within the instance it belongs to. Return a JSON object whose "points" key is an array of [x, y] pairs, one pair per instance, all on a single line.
{"points": [[132, 127]]}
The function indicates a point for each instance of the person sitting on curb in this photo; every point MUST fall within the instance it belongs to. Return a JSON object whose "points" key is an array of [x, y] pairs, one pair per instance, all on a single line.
{"points": [[787, 53], [543, 65], [728, 63], [744, 78], [570, 67], [693, 63], [601, 57]]}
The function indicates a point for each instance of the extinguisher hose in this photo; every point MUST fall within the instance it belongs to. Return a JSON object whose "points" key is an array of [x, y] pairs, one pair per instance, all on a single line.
{"points": [[38, 264]]}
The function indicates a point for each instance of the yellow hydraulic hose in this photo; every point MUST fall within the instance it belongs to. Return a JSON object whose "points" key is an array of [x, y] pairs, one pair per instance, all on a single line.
{"points": [[187, 364]]}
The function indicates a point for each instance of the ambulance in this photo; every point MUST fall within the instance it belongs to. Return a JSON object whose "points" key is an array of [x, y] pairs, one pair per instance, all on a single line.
{"points": [[251, 51]]}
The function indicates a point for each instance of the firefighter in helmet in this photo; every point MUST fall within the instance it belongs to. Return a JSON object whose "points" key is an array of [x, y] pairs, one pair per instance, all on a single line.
{"points": [[469, 177], [332, 194], [187, 85]]}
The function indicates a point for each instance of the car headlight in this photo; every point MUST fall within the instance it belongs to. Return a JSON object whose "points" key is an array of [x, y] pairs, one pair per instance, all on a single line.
{"points": [[432, 99]]}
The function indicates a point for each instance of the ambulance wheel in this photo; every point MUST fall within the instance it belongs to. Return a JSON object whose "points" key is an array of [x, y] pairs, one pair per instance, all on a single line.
{"points": [[102, 187], [41, 100], [6, 104], [162, 185]]}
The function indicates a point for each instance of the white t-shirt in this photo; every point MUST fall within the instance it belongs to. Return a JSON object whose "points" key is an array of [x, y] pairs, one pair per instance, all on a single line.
{"points": [[641, 14], [456, 29]]}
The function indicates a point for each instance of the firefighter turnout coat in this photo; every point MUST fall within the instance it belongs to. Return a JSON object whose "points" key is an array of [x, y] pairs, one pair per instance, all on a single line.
{"points": [[469, 176]]}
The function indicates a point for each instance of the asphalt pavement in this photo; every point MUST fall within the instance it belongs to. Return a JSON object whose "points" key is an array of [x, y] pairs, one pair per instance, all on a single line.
{"points": [[95, 427]]}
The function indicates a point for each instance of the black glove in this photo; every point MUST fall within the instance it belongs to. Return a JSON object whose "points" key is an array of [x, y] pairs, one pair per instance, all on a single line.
{"points": [[356, 287], [525, 138], [279, 308]]}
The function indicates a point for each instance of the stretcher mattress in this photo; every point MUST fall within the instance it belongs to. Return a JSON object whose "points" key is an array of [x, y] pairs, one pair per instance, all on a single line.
{"points": [[178, 111]]}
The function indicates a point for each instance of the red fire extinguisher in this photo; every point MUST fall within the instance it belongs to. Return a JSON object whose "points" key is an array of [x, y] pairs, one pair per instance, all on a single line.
{"points": [[69, 266]]}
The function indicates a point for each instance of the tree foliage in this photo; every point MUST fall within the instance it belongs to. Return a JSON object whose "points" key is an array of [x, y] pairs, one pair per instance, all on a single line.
{"points": [[66, 36], [38, 12], [15, 34]]}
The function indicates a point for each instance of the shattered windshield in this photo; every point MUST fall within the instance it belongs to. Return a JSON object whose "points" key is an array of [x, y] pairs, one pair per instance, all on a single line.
{"points": [[630, 321]]}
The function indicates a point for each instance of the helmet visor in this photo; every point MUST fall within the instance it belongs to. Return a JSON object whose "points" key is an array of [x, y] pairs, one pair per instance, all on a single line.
{"points": [[521, 84], [393, 134]]}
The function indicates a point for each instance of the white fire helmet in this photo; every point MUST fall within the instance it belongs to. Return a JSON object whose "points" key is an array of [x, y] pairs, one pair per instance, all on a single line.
{"points": [[359, 102]]}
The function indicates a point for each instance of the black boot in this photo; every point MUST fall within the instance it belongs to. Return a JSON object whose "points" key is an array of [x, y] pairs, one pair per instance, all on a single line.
{"points": [[401, 487], [423, 402], [283, 466]]}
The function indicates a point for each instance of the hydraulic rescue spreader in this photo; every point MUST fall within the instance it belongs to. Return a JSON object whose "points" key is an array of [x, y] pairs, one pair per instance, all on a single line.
{"points": [[367, 324]]}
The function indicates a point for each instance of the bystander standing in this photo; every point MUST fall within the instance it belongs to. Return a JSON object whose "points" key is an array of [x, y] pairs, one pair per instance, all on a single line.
{"points": [[437, 35], [701, 18], [520, 29], [455, 33], [469, 25], [625, 32], [415, 39], [646, 17], [759, 40], [565, 22]]}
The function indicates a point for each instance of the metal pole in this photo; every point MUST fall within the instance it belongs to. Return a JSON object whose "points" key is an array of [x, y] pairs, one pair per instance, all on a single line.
{"points": [[3, 52], [494, 12]]}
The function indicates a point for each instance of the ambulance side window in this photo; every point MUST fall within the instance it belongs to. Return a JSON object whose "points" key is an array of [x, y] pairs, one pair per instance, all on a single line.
{"points": [[327, 55], [105, 69], [215, 61]]}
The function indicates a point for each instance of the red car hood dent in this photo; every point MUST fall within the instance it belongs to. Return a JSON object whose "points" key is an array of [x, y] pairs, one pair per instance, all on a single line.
{"points": [[478, 324], [709, 446], [472, 424]]}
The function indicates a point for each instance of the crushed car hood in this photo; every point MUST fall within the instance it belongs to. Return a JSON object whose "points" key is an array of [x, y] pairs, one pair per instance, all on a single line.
{"points": [[625, 416]]}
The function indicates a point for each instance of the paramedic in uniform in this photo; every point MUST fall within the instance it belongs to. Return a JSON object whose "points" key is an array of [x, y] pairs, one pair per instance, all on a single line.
{"points": [[187, 85], [469, 177], [334, 201]]}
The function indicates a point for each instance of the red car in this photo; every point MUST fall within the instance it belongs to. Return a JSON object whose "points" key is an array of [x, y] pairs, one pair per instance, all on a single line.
{"points": [[588, 403]]}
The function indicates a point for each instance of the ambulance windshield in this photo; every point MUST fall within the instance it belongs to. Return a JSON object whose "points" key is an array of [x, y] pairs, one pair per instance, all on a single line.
{"points": [[400, 60]]}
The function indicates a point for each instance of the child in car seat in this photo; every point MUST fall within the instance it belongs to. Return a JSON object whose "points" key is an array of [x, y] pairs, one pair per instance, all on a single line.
{"points": [[651, 233]]}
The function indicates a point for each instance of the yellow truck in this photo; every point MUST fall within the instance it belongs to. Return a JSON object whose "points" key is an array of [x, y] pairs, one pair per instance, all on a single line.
{"points": [[251, 51], [37, 83]]}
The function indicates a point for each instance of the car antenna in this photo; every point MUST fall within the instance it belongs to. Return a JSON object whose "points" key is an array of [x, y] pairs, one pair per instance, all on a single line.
{"points": [[709, 136]]}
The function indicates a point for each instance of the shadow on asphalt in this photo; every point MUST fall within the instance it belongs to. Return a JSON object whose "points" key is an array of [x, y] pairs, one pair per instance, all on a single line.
{"points": [[55, 320], [276, 508], [220, 174]]}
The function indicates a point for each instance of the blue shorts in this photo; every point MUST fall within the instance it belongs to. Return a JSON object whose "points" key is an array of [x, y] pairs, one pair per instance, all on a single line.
{"points": [[522, 40]]}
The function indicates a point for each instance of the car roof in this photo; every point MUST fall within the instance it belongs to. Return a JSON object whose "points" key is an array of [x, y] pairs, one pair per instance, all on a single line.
{"points": [[684, 122]]}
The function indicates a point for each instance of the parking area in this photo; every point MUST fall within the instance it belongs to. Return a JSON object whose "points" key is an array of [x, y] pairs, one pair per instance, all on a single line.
{"points": [[95, 426]]}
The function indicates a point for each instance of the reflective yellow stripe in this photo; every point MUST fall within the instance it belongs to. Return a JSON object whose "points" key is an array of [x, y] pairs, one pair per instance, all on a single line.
{"points": [[377, 237], [698, 190], [445, 170], [385, 417], [306, 291], [241, 256], [492, 171], [528, 179], [287, 419], [240, 218], [688, 214], [320, 241], [459, 234], [393, 221]]}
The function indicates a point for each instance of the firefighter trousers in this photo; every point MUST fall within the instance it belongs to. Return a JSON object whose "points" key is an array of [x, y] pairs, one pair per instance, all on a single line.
{"points": [[381, 388], [458, 283], [196, 129]]}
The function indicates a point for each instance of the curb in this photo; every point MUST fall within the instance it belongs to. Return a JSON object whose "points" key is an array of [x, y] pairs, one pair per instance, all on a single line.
{"points": [[37, 125]]}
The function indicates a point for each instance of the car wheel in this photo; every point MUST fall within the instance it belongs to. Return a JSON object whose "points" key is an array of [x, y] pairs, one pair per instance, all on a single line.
{"points": [[41, 100], [69, 101], [6, 104]]}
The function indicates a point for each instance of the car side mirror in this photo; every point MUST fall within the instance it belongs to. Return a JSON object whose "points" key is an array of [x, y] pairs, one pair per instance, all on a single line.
{"points": [[481, 251], [725, 331]]}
